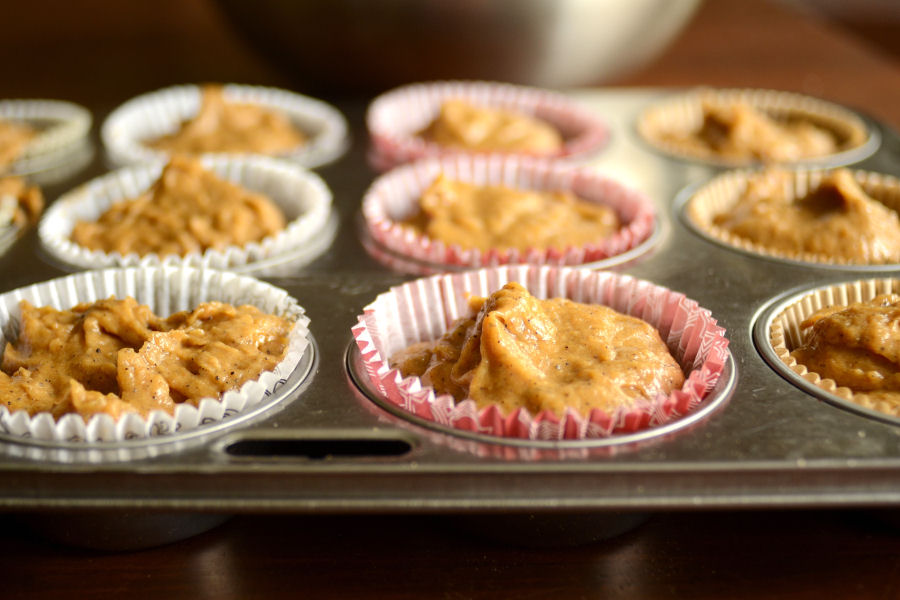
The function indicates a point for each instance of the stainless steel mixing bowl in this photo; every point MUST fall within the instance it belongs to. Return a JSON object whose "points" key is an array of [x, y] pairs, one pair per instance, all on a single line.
{"points": [[368, 45]]}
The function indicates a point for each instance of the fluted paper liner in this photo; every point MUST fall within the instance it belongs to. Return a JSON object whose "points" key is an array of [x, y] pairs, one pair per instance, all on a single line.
{"points": [[395, 118], [152, 115], [165, 290], [301, 195], [63, 127], [395, 196], [721, 194], [424, 309], [683, 114]]}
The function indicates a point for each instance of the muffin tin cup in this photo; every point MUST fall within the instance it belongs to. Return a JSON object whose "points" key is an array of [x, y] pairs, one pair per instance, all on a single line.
{"points": [[395, 118], [777, 333], [301, 195], [719, 196], [395, 195], [683, 114], [64, 127], [425, 308], [165, 290], [155, 114]]}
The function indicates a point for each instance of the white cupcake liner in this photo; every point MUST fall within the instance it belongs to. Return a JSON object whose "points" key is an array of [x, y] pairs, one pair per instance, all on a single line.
{"points": [[165, 290], [394, 197], [302, 196], [155, 114], [395, 118], [683, 114], [64, 125], [721, 194], [424, 309], [785, 335]]}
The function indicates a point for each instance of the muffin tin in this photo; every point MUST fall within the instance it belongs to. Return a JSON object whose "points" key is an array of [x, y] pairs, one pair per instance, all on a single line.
{"points": [[759, 442]]}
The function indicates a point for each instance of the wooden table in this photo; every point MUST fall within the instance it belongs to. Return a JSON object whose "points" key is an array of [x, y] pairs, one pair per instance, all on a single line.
{"points": [[802, 554]]}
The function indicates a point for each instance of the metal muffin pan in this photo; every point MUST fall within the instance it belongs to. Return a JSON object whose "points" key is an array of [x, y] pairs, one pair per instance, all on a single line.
{"points": [[330, 448]]}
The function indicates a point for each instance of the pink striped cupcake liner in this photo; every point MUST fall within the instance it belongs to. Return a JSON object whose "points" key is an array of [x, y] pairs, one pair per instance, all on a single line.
{"points": [[424, 309], [394, 197], [395, 117]]}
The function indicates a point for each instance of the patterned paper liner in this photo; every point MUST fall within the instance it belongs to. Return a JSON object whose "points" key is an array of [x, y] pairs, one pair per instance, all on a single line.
{"points": [[394, 196], [720, 195], [394, 118], [424, 309], [302, 196], [64, 126], [155, 114], [165, 290], [785, 335], [684, 114]]}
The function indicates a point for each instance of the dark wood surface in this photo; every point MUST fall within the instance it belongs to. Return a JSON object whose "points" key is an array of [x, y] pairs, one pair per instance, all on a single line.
{"points": [[111, 54]]}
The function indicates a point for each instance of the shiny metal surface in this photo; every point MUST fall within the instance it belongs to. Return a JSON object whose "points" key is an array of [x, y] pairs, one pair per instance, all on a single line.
{"points": [[370, 46], [770, 445]]}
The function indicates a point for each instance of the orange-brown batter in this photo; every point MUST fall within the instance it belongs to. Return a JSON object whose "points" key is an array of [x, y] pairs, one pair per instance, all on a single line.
{"points": [[858, 346], [486, 217], [14, 136], [188, 209], [741, 132], [20, 203], [222, 126], [519, 351], [468, 127], [115, 356], [836, 220]]}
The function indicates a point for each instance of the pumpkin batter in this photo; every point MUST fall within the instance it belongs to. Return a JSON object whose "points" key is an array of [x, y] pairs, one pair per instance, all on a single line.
{"points": [[222, 126], [115, 356], [20, 203], [741, 132], [188, 209], [487, 217], [464, 126], [518, 351], [857, 346], [836, 220], [14, 136]]}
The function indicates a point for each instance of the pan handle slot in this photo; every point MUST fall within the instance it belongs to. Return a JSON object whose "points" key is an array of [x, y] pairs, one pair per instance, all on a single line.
{"points": [[318, 448]]}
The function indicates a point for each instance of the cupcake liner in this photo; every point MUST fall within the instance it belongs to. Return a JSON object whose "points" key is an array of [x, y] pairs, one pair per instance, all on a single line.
{"points": [[425, 308], [63, 126], [722, 193], [152, 115], [785, 335], [165, 290], [394, 196], [394, 118], [684, 114], [301, 195]]}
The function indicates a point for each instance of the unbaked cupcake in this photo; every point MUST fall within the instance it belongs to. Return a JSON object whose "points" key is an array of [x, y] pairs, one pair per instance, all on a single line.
{"points": [[838, 217], [424, 310], [229, 119], [41, 135], [283, 207], [471, 117], [102, 391], [465, 211], [741, 127]]}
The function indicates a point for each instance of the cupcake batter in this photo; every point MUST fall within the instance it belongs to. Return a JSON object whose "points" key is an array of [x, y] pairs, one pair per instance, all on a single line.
{"points": [[465, 126], [740, 132], [857, 346], [14, 137], [518, 351], [222, 126], [188, 209], [115, 356], [20, 203], [485, 217], [836, 220]]}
